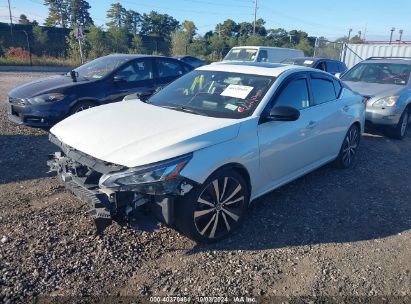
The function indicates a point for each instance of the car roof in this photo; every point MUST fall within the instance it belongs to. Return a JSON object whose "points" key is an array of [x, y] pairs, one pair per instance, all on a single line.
{"points": [[134, 56], [263, 47], [314, 59], [388, 60], [264, 69]]}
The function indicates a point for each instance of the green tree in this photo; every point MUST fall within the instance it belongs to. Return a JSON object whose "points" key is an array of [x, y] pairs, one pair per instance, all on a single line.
{"points": [[256, 40], [199, 47], [227, 29], [58, 13], [24, 20], [217, 47], [116, 15], [97, 42], [132, 21], [161, 25], [277, 37], [245, 29], [190, 28], [259, 27], [78, 11], [40, 39], [305, 46], [137, 45], [118, 39], [356, 39], [179, 42]]}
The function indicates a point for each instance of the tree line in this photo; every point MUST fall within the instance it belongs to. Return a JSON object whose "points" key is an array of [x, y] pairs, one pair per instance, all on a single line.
{"points": [[128, 31]]}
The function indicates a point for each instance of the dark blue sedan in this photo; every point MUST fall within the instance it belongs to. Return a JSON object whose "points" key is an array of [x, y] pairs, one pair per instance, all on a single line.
{"points": [[45, 102]]}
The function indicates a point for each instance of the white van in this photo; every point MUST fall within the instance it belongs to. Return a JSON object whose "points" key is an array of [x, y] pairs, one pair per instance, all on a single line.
{"points": [[261, 54]]}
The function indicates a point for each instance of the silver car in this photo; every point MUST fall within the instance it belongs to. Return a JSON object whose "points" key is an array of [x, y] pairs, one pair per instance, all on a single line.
{"points": [[387, 85]]}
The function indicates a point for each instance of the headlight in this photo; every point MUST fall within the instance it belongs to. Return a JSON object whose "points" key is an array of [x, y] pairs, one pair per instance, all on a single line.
{"points": [[45, 98], [159, 178], [388, 101]]}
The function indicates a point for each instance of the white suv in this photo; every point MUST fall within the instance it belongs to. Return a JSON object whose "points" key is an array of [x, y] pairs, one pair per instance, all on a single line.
{"points": [[200, 150]]}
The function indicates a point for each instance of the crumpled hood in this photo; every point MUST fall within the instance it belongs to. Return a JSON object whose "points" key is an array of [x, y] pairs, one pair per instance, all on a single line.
{"points": [[374, 89], [132, 133], [41, 86]]}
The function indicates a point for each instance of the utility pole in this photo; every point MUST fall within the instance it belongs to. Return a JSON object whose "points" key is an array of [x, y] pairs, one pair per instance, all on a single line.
{"points": [[291, 38], [11, 24], [348, 41], [401, 32], [255, 15], [349, 35], [392, 32], [316, 44]]}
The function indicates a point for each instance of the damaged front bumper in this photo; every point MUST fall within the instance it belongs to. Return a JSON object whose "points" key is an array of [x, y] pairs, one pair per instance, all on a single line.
{"points": [[81, 174]]}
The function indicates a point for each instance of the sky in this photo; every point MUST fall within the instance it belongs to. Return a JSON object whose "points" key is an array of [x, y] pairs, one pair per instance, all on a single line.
{"points": [[328, 18]]}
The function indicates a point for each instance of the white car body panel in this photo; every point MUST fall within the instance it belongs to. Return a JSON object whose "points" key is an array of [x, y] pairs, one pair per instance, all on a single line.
{"points": [[132, 134]]}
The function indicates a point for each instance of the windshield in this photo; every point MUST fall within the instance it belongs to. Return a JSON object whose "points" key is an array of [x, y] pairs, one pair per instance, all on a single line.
{"points": [[241, 54], [216, 94], [299, 61], [100, 67], [384, 73]]}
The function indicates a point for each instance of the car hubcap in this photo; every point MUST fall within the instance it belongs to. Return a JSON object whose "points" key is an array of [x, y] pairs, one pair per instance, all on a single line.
{"points": [[350, 146], [404, 124], [219, 207], [82, 108]]}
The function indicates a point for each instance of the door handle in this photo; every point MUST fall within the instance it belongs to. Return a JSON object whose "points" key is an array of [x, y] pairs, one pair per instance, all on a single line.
{"points": [[311, 125], [346, 108]]}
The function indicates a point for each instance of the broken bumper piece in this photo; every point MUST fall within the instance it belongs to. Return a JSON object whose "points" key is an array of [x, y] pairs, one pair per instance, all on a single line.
{"points": [[81, 174]]}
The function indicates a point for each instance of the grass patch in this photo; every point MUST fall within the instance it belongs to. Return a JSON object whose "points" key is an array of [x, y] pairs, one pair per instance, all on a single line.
{"points": [[39, 61]]}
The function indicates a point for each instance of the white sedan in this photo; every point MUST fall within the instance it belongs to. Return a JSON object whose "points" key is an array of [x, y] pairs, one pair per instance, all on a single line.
{"points": [[200, 150]]}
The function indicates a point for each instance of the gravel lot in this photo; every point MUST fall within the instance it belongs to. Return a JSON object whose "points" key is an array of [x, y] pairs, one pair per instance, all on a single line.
{"points": [[330, 233]]}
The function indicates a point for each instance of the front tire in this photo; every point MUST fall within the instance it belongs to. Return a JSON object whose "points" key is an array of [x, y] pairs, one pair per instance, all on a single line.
{"points": [[349, 148], [211, 211], [400, 130]]}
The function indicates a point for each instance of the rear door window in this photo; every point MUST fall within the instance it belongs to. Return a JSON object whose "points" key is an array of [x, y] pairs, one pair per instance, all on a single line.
{"points": [[137, 70], [322, 89], [168, 70]]}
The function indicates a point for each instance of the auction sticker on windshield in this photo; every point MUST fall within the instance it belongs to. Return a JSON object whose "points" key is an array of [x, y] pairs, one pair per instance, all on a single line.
{"points": [[237, 91]]}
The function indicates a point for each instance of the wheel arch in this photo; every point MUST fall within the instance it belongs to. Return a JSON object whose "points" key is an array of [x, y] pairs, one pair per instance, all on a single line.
{"points": [[239, 168], [83, 100]]}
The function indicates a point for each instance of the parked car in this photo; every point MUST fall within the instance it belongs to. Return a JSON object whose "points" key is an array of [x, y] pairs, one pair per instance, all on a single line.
{"points": [[386, 83], [261, 54], [42, 103], [324, 64], [191, 60], [205, 146]]}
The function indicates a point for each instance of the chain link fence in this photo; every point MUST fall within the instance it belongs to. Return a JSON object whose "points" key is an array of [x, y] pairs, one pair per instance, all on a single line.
{"points": [[329, 49]]}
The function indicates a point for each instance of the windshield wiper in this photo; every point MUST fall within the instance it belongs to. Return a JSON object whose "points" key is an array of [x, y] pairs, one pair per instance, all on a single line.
{"points": [[184, 109]]}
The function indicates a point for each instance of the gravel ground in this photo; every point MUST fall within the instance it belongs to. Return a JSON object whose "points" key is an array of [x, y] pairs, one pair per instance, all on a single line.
{"points": [[331, 233]]}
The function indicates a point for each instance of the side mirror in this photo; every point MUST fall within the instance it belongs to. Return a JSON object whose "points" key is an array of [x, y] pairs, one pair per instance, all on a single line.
{"points": [[282, 113], [120, 78], [143, 96], [338, 75]]}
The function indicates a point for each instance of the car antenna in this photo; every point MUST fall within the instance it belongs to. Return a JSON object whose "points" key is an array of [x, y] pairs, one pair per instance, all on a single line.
{"points": [[73, 75]]}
